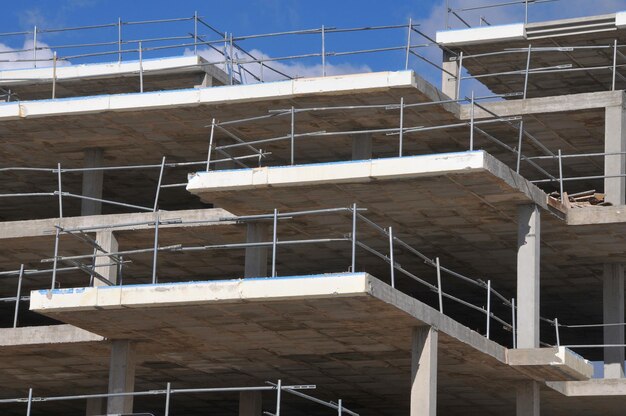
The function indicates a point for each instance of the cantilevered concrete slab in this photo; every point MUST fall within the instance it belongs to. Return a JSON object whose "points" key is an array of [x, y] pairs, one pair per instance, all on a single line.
{"points": [[111, 78], [321, 317], [590, 388], [555, 43]]}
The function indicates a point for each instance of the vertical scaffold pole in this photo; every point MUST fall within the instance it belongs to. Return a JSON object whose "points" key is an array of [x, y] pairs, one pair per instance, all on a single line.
{"points": [[401, 136], [54, 75], [168, 390], [274, 242], [556, 328], [30, 401], [391, 260], [195, 32], [614, 65], [55, 260], [60, 190], [488, 308], [472, 112], [354, 213], [140, 67], [439, 289], [208, 157], [119, 39], [293, 128], [408, 45], [513, 323], [35, 46], [18, 295], [323, 51]]}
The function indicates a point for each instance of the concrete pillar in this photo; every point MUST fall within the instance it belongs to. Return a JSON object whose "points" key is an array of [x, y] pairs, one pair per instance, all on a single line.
{"points": [[528, 282], [613, 279], [615, 142], [106, 239], [361, 146], [613, 310], [121, 377], [424, 371], [448, 82], [250, 403], [528, 399], [96, 407], [92, 182], [256, 257]]}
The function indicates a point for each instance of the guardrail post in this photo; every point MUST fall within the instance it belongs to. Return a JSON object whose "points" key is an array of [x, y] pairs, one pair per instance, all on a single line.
{"points": [[447, 23], [488, 308], [459, 77], [561, 174], [274, 242], [55, 260], [527, 73], [408, 45], [167, 396], [339, 407], [556, 327], [323, 51], [513, 323], [614, 64], [391, 261], [401, 136], [519, 146], [35, 46], [156, 248], [54, 74], [353, 266], [140, 67], [208, 158], [30, 401], [472, 112], [525, 12], [195, 32], [232, 66], [439, 290], [279, 388], [119, 39], [60, 190], [18, 295], [293, 127]]}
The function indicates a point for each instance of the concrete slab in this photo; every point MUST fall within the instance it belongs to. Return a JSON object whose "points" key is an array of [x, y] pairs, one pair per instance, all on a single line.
{"points": [[110, 78], [590, 388], [545, 363]]}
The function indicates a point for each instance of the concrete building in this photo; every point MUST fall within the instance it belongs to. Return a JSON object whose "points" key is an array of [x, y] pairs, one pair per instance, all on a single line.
{"points": [[184, 236]]}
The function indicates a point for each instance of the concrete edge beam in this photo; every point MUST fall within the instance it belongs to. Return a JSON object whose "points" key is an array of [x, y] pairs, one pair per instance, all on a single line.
{"points": [[590, 388], [45, 335], [545, 105], [567, 364], [39, 228]]}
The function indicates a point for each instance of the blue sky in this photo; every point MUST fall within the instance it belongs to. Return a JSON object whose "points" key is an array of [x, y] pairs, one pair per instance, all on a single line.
{"points": [[261, 16]]}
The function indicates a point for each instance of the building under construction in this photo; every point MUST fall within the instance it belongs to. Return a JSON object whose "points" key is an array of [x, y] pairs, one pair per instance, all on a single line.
{"points": [[189, 228]]}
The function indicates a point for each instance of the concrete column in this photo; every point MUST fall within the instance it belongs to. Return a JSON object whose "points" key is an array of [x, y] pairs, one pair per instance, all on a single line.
{"points": [[256, 257], [528, 282], [106, 239], [613, 309], [121, 377], [424, 371], [528, 399], [92, 182], [361, 146], [613, 279], [448, 82], [614, 142], [96, 407], [250, 403]]}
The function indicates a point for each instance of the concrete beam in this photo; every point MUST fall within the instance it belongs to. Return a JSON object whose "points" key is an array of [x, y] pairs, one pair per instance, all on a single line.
{"points": [[256, 257], [543, 105], [92, 182], [250, 403], [615, 165], [361, 147], [190, 218], [424, 371], [45, 335], [613, 311], [528, 282], [590, 388], [550, 364], [121, 377], [528, 399], [104, 265]]}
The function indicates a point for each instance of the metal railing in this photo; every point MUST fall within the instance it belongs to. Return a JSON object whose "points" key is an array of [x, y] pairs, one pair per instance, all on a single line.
{"points": [[295, 390], [459, 14], [362, 244], [242, 57]]}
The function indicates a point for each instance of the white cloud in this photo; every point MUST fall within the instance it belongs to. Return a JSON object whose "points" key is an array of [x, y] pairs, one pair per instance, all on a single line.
{"points": [[293, 69], [11, 58]]}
